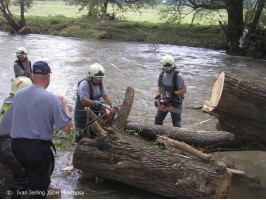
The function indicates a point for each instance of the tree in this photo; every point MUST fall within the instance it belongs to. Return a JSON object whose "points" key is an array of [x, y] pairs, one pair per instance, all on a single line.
{"points": [[99, 8], [17, 25], [235, 10]]}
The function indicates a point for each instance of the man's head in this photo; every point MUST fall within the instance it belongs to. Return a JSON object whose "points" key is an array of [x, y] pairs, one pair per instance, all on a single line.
{"points": [[41, 74], [19, 83], [168, 63], [22, 53], [96, 73]]}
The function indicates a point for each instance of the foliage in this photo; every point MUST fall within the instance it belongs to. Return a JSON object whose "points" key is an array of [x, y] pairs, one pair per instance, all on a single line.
{"points": [[27, 4], [99, 8], [64, 140], [16, 26]]}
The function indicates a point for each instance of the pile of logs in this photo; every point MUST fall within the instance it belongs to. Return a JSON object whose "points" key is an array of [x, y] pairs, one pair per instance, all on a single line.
{"points": [[171, 174], [239, 105]]}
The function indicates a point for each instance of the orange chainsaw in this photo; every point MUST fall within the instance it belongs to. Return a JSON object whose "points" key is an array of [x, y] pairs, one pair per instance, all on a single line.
{"points": [[165, 105], [106, 116], [109, 115]]}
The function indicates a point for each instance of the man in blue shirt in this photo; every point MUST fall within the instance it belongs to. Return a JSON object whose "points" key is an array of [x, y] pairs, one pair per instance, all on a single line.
{"points": [[90, 90], [36, 112]]}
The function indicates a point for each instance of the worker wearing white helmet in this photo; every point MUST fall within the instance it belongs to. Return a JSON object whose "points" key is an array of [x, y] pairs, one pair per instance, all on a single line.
{"points": [[90, 90], [170, 92], [22, 66], [19, 180]]}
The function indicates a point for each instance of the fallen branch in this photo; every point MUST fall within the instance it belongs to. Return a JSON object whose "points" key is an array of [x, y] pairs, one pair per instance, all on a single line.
{"points": [[185, 147]]}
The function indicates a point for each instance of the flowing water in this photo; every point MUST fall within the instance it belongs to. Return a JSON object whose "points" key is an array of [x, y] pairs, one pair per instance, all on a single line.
{"points": [[133, 64]]}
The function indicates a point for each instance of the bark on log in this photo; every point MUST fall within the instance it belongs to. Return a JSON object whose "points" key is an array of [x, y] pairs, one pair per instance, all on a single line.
{"points": [[240, 106], [209, 140], [5, 177], [168, 174]]}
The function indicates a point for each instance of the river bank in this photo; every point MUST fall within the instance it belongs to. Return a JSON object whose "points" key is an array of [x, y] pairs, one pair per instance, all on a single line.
{"points": [[204, 36]]}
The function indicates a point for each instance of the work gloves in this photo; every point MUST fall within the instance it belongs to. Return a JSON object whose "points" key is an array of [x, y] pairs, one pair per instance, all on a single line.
{"points": [[115, 107], [98, 104], [156, 99], [173, 95]]}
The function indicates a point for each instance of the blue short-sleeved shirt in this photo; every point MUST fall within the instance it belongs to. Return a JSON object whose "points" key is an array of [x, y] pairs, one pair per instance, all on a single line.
{"points": [[36, 113]]}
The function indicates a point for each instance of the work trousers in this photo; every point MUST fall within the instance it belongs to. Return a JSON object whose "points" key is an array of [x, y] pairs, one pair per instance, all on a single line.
{"points": [[38, 159], [19, 181], [176, 117]]}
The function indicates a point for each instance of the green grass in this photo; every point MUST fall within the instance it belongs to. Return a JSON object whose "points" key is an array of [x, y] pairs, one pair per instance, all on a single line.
{"points": [[57, 18], [148, 14], [50, 8]]}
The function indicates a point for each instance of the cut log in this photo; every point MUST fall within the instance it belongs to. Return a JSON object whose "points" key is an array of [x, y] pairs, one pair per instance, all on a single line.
{"points": [[240, 106], [169, 174], [209, 140]]}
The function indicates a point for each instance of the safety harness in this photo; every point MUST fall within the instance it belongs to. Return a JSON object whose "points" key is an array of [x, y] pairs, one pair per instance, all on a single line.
{"points": [[175, 86], [90, 85]]}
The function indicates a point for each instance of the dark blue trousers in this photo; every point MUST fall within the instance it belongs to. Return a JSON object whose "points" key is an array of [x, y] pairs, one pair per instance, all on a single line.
{"points": [[176, 117], [38, 159]]}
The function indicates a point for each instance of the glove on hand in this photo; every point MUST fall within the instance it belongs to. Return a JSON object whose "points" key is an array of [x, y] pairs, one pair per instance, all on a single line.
{"points": [[156, 99], [173, 94], [115, 107], [98, 104]]}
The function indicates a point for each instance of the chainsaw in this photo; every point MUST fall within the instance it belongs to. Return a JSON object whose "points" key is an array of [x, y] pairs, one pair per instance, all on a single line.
{"points": [[165, 105], [106, 116]]}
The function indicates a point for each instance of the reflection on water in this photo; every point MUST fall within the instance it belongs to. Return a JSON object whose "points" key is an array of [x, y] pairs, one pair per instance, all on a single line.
{"points": [[131, 64]]}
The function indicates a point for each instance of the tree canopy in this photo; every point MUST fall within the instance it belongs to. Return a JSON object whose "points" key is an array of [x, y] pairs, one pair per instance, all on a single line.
{"points": [[99, 8], [17, 26], [238, 17]]}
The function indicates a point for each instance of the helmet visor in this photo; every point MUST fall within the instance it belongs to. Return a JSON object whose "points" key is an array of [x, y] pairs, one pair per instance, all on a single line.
{"points": [[100, 78], [22, 56]]}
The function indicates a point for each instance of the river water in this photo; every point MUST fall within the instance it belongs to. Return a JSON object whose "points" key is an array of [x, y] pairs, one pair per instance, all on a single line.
{"points": [[136, 65]]}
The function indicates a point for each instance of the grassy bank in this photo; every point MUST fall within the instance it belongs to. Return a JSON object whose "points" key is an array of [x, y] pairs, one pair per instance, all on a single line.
{"points": [[56, 18]]}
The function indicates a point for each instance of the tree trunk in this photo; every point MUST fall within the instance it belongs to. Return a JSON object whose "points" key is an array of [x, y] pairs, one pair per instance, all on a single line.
{"points": [[15, 28], [255, 21], [235, 24], [208, 140], [117, 157], [258, 12], [240, 106], [22, 21]]}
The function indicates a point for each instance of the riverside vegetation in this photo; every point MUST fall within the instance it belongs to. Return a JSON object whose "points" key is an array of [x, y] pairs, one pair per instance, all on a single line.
{"points": [[57, 18]]}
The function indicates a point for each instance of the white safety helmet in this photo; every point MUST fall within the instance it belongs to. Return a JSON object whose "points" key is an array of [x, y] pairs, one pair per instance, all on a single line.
{"points": [[96, 70], [20, 82], [168, 62], [22, 52]]}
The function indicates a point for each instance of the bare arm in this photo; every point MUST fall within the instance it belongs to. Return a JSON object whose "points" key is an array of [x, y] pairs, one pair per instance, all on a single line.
{"points": [[26, 70], [183, 90], [159, 91], [67, 127], [87, 102], [108, 100]]}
